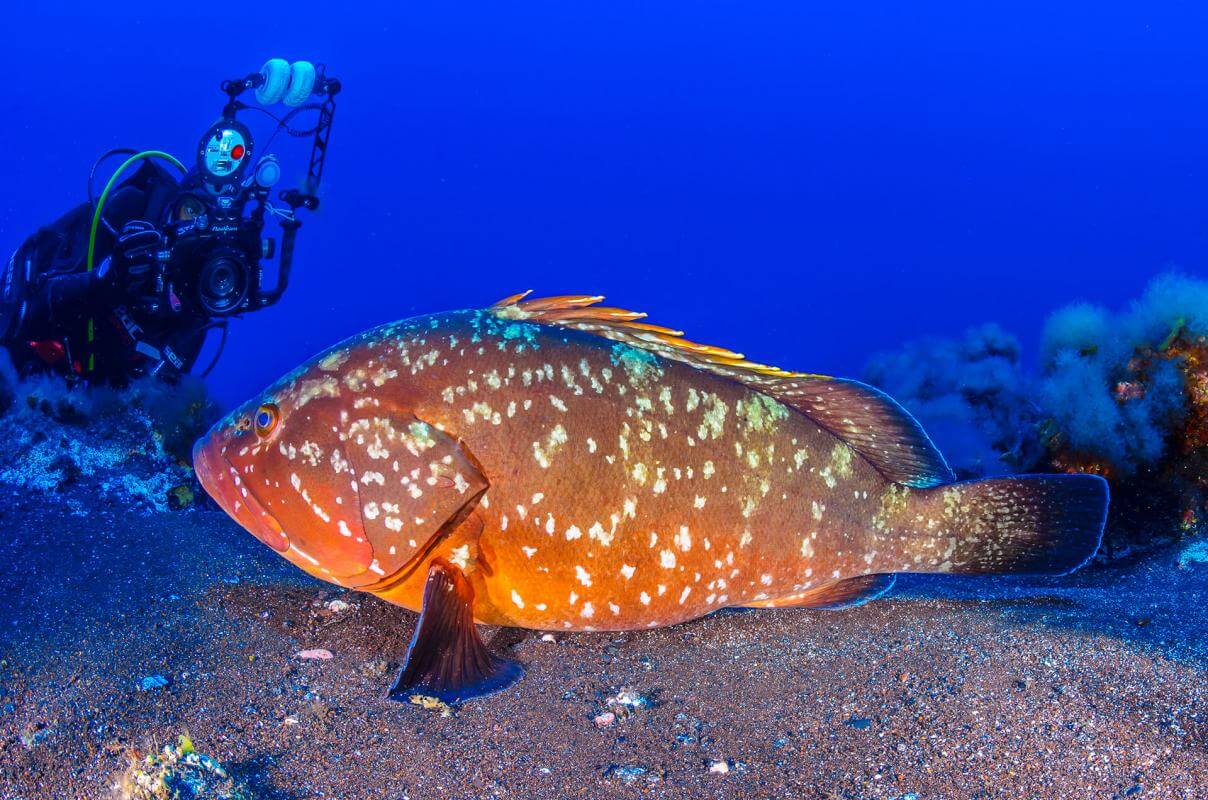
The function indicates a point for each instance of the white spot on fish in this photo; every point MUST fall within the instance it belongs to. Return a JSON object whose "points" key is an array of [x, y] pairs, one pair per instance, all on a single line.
{"points": [[583, 575]]}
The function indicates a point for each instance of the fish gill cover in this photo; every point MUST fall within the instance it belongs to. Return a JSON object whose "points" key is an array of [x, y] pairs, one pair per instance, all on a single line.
{"points": [[1119, 394]]}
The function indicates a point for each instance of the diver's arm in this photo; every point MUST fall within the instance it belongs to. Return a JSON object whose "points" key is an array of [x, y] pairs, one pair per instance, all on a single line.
{"points": [[77, 294], [74, 295]]}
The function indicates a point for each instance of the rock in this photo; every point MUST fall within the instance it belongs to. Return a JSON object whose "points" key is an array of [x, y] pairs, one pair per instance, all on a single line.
{"points": [[318, 653], [34, 735], [179, 771], [1194, 553], [629, 773], [719, 767], [605, 719], [626, 702], [376, 668], [336, 606], [152, 682], [859, 723]]}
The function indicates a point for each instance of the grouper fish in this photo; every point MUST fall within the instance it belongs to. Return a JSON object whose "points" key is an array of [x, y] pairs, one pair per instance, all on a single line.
{"points": [[554, 464]]}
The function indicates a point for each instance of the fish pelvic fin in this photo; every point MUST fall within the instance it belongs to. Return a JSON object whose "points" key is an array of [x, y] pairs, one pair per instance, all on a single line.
{"points": [[1020, 525], [447, 660]]}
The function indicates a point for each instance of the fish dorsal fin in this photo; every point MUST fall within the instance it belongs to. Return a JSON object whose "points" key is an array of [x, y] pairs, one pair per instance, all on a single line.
{"points": [[872, 423], [868, 420], [582, 313]]}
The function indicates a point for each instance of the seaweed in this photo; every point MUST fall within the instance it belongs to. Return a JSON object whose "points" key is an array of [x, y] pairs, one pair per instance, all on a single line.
{"points": [[1114, 385]]}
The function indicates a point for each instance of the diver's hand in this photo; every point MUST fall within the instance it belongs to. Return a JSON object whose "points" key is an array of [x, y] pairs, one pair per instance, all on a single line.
{"points": [[134, 254]]}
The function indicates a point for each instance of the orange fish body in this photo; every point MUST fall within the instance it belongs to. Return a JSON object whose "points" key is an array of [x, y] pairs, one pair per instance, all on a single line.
{"points": [[581, 470]]}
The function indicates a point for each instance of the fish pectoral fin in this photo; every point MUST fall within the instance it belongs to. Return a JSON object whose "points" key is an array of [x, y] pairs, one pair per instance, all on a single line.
{"points": [[846, 593], [447, 659]]}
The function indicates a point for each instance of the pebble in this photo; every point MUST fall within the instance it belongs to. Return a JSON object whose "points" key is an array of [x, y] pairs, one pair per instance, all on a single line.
{"points": [[859, 723], [152, 682], [336, 606], [628, 773], [549, 637], [626, 702], [605, 719], [720, 767], [318, 653]]}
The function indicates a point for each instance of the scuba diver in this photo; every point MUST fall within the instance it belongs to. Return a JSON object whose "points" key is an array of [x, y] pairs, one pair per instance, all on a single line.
{"points": [[131, 282]]}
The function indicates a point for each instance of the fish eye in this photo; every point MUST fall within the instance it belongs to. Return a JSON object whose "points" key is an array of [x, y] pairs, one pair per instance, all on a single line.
{"points": [[267, 418]]}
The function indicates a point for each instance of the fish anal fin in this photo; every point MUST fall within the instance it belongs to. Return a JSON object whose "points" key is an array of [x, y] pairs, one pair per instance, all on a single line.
{"points": [[447, 659], [872, 423], [846, 593]]}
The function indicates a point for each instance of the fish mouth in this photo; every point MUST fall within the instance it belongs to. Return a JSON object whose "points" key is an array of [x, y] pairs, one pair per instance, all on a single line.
{"points": [[222, 482]]}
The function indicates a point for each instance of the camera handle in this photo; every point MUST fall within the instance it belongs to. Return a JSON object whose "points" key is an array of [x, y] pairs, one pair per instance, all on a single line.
{"points": [[289, 233]]}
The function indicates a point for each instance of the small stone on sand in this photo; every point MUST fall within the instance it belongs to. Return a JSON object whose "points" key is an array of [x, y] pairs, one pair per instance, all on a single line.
{"points": [[317, 653], [152, 682]]}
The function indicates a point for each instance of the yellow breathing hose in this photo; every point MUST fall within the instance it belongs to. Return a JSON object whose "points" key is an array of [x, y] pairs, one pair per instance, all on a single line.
{"points": [[96, 221]]}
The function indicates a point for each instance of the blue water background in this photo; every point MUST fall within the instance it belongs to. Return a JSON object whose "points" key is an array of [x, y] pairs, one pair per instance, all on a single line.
{"points": [[805, 183]]}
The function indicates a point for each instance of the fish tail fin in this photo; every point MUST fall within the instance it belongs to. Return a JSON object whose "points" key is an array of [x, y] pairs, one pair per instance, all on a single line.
{"points": [[1025, 524]]}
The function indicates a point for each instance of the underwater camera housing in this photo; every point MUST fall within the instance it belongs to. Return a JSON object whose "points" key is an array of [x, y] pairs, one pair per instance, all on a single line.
{"points": [[131, 282]]}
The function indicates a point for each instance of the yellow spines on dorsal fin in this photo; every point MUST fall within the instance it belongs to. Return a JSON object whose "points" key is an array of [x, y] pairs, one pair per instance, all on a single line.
{"points": [[583, 312]]}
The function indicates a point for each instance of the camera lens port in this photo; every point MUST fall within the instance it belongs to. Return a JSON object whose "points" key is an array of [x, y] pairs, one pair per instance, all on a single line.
{"points": [[222, 283]]}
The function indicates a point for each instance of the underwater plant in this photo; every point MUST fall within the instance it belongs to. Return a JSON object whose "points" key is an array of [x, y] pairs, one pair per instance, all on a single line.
{"points": [[1126, 396], [1116, 385], [127, 445]]}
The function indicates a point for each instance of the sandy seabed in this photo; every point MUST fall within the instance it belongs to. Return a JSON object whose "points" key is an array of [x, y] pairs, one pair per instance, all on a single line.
{"points": [[1093, 686]]}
